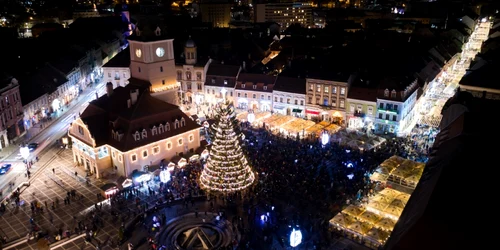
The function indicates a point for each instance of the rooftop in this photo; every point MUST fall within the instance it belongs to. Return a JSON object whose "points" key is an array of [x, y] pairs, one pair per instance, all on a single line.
{"points": [[121, 60], [290, 84], [111, 113]]}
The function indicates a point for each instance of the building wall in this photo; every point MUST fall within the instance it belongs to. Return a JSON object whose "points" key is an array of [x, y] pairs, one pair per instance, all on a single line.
{"points": [[325, 99], [117, 75], [125, 162], [146, 64], [191, 79], [360, 113], [219, 14], [35, 111], [285, 103], [481, 92], [255, 100], [11, 113], [394, 116], [285, 14]]}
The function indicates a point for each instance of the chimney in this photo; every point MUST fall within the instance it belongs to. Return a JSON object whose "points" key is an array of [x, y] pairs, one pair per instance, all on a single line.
{"points": [[134, 94], [109, 88], [129, 103]]}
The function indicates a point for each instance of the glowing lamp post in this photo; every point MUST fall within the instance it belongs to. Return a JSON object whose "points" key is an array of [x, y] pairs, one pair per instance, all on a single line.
{"points": [[25, 152], [251, 117], [295, 238], [325, 138]]}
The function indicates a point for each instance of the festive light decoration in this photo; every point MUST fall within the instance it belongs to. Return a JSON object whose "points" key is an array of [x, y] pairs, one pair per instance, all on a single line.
{"points": [[295, 238], [227, 169], [325, 138]]}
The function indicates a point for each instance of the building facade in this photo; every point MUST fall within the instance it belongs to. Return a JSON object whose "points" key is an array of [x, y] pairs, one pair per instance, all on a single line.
{"points": [[191, 75], [128, 129], [220, 82], [326, 100], [117, 70], [35, 110], [254, 92], [289, 96], [152, 60], [395, 108], [361, 108], [285, 14], [11, 111], [217, 13]]}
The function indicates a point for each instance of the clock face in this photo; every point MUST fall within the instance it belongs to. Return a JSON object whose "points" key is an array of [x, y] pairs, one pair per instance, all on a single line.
{"points": [[138, 52], [160, 52]]}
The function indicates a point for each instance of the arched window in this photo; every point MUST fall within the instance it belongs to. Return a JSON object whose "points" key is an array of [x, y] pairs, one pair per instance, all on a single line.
{"points": [[154, 130], [393, 93], [144, 134], [386, 93], [160, 128], [176, 124], [183, 122], [167, 126]]}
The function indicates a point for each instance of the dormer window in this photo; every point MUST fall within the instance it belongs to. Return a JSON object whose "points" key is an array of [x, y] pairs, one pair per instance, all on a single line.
{"points": [[167, 126], [144, 134], [255, 86], [137, 136], [242, 85], [160, 128], [393, 93], [183, 122], [213, 80], [154, 130], [225, 82], [265, 87], [176, 124], [386, 93]]}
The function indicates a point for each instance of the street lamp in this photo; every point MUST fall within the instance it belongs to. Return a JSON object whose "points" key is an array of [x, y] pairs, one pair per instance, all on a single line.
{"points": [[25, 152]]}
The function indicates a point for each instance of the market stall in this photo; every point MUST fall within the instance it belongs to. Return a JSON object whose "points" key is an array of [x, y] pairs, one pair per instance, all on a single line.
{"points": [[332, 128], [372, 223], [316, 129], [297, 126]]}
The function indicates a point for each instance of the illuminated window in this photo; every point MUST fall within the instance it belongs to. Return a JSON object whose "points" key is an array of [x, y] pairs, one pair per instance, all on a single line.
{"points": [[145, 154], [156, 150], [180, 141], [342, 91], [133, 157], [191, 138], [169, 145]]}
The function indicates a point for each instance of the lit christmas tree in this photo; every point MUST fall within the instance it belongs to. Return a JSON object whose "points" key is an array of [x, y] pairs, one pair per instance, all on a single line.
{"points": [[227, 168]]}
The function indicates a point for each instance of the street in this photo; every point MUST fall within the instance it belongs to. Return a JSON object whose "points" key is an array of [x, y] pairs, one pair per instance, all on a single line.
{"points": [[45, 138]]}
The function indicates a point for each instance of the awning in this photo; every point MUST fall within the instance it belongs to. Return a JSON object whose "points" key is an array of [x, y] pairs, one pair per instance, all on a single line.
{"points": [[297, 110], [311, 112]]}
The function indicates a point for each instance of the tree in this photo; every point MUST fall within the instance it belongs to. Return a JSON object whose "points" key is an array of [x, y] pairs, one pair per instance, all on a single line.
{"points": [[227, 169]]}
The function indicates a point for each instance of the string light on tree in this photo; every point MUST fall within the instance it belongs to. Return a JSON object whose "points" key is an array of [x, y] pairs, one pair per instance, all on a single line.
{"points": [[227, 169]]}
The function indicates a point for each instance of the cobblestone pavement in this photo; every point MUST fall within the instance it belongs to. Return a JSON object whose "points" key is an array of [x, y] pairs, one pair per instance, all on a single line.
{"points": [[49, 185]]}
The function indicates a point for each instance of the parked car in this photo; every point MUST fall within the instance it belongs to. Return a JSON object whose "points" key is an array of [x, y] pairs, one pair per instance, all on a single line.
{"points": [[5, 168], [33, 146]]}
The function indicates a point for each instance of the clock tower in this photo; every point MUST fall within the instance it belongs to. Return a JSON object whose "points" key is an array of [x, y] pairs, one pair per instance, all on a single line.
{"points": [[152, 60]]}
